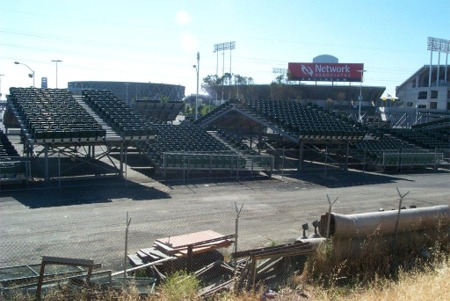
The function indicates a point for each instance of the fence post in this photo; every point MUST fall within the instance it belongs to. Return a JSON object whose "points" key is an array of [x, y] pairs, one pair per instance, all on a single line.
{"points": [[329, 214], [127, 223], [236, 228], [394, 249]]}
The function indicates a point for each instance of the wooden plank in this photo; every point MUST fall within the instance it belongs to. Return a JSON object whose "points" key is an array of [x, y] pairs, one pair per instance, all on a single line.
{"points": [[196, 238], [144, 265], [157, 253], [68, 261], [197, 249], [149, 256], [135, 260], [271, 250], [143, 256], [163, 247]]}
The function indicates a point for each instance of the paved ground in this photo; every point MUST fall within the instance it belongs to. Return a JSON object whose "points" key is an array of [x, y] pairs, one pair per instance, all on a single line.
{"points": [[87, 219]]}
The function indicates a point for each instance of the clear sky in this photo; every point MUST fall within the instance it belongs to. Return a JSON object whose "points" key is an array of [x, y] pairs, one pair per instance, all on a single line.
{"points": [[157, 40]]}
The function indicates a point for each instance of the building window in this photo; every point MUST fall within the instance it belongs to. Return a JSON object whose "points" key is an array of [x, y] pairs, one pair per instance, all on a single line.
{"points": [[434, 94], [422, 106], [409, 104], [422, 95], [433, 105]]}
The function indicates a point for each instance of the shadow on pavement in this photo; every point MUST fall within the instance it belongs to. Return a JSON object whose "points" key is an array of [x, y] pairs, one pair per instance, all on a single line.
{"points": [[81, 192], [338, 179]]}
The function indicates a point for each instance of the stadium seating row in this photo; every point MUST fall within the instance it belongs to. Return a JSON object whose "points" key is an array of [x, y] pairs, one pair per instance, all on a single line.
{"points": [[423, 138], [182, 138], [118, 115], [156, 111], [392, 151], [10, 166], [53, 115], [7, 150], [309, 122], [306, 121]]}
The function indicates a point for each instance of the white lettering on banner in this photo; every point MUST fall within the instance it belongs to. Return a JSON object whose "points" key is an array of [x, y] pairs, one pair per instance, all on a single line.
{"points": [[327, 69]]}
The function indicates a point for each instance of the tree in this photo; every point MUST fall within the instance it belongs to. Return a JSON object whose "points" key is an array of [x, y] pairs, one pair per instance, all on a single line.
{"points": [[211, 84], [214, 85]]}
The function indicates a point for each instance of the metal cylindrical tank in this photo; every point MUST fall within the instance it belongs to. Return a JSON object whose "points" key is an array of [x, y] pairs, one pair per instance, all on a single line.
{"points": [[383, 223]]}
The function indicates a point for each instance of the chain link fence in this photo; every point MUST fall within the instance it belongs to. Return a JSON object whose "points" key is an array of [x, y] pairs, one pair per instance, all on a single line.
{"points": [[92, 220]]}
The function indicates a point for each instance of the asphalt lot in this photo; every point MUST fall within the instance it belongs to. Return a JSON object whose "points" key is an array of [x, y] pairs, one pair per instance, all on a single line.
{"points": [[87, 219]]}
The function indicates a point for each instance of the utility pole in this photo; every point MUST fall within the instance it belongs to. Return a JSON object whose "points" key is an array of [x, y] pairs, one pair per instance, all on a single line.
{"points": [[56, 63], [197, 68]]}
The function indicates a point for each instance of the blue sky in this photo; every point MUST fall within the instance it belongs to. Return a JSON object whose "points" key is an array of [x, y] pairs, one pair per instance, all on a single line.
{"points": [[157, 41]]}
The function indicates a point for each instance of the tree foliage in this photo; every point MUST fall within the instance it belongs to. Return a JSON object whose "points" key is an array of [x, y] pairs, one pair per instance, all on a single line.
{"points": [[214, 85]]}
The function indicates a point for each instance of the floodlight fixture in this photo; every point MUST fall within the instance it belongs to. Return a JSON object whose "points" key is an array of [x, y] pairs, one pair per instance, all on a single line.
{"points": [[279, 70], [222, 47], [440, 45]]}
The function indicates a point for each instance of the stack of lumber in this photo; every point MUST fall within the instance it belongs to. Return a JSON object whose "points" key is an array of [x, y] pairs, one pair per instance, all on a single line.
{"points": [[181, 246]]}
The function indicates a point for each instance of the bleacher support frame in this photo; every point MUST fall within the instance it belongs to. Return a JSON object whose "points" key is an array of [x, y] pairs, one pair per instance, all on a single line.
{"points": [[210, 162], [80, 148]]}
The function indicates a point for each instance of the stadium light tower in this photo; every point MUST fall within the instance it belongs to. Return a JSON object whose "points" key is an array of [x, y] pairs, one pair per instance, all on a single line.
{"points": [[222, 47], [360, 98], [32, 75], [56, 63], [197, 68]]}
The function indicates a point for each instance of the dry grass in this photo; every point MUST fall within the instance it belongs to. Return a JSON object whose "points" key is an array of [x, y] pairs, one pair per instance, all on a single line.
{"points": [[416, 285], [429, 285], [430, 282]]}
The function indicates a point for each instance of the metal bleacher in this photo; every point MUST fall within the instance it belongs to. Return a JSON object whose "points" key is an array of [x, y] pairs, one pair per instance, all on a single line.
{"points": [[118, 115], [53, 116], [54, 122], [12, 167], [314, 127]]}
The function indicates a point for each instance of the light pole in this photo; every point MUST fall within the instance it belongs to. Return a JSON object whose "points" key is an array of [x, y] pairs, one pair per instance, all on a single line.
{"points": [[197, 68], [360, 98], [32, 71], [56, 63]]}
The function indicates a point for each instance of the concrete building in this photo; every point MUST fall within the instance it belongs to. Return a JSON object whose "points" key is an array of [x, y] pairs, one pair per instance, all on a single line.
{"points": [[417, 92]]}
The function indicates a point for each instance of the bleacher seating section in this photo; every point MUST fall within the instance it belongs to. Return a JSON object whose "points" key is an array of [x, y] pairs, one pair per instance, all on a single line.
{"points": [[7, 150], [10, 167], [437, 122], [53, 116], [184, 139], [389, 150], [188, 144], [118, 115], [308, 122], [424, 138], [156, 111]]}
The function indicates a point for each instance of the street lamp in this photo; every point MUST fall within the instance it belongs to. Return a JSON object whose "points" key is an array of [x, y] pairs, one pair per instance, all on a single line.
{"points": [[32, 71], [360, 98], [56, 63], [197, 69]]}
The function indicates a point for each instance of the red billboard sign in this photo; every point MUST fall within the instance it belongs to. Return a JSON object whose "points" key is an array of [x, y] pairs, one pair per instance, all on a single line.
{"points": [[325, 72]]}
